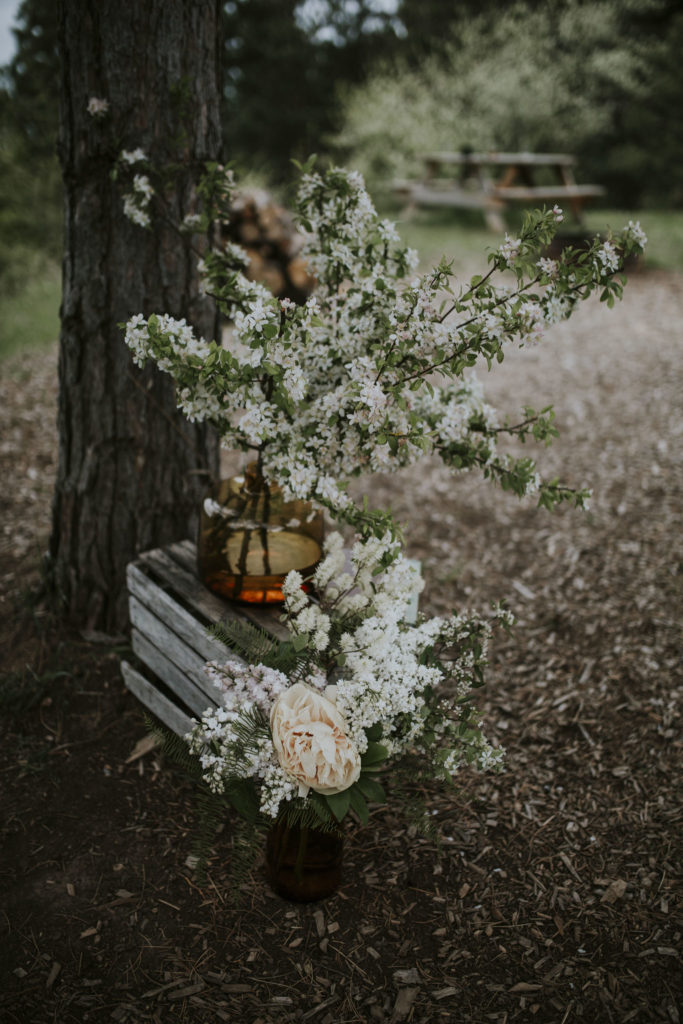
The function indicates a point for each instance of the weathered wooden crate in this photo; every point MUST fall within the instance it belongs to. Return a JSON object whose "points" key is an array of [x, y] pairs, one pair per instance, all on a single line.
{"points": [[170, 611]]}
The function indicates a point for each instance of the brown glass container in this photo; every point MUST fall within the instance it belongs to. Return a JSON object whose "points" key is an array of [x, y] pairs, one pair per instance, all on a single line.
{"points": [[303, 864], [250, 538]]}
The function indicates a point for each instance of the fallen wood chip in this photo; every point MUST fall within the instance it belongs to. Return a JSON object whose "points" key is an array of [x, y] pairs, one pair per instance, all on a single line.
{"points": [[191, 990], [410, 976], [321, 1006], [53, 975], [444, 993], [162, 988], [144, 746], [404, 1001], [614, 891]]}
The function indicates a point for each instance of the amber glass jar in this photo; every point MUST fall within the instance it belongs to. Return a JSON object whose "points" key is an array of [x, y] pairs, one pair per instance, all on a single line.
{"points": [[250, 538], [303, 864]]}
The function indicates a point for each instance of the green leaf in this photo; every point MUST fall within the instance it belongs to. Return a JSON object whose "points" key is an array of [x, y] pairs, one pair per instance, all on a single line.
{"points": [[242, 796], [371, 789], [375, 754], [319, 806], [358, 804], [374, 732], [338, 803], [300, 641]]}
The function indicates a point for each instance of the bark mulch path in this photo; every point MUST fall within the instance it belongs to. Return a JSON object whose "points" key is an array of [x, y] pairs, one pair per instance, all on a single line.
{"points": [[552, 894]]}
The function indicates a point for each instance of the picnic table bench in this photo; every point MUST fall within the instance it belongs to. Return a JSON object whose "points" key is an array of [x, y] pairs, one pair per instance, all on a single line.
{"points": [[489, 181]]}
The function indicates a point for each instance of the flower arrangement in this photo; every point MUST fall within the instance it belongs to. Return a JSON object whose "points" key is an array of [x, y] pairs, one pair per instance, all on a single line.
{"points": [[307, 723], [371, 374]]}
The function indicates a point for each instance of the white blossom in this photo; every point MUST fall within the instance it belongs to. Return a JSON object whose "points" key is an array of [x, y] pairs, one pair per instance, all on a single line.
{"points": [[97, 107], [509, 249], [135, 211], [133, 156]]}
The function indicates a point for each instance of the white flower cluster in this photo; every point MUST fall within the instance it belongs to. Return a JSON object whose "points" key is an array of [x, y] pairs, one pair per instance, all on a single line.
{"points": [[246, 686], [349, 383], [97, 107], [136, 203], [509, 249], [217, 737], [636, 233], [607, 258], [383, 679]]}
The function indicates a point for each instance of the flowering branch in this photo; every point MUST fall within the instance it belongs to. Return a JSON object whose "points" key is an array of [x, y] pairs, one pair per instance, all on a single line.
{"points": [[346, 383]]}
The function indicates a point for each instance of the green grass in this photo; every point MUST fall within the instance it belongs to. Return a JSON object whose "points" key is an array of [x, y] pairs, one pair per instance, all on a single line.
{"points": [[664, 229], [462, 235], [29, 318]]}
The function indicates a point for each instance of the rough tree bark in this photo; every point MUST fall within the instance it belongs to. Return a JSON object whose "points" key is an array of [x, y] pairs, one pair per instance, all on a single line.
{"points": [[128, 462]]}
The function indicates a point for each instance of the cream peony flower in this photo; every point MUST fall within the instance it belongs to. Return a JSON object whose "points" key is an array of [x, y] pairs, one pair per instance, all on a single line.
{"points": [[311, 743]]}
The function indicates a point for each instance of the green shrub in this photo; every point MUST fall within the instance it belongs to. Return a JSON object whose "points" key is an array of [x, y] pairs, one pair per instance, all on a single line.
{"points": [[566, 76]]}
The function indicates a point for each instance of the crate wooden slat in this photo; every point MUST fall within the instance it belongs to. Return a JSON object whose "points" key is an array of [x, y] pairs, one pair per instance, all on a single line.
{"points": [[170, 611], [149, 694]]}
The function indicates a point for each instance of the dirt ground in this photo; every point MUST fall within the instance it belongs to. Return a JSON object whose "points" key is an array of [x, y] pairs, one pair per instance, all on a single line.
{"points": [[552, 896]]}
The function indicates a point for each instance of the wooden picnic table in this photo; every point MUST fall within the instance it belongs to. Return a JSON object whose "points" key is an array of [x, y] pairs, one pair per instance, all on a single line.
{"points": [[489, 181]]}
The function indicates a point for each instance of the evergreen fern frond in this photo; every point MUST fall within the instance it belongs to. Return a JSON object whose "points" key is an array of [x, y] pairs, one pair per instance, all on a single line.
{"points": [[309, 813], [174, 747], [212, 811], [285, 658], [247, 843], [410, 772], [417, 814], [252, 643], [255, 645]]}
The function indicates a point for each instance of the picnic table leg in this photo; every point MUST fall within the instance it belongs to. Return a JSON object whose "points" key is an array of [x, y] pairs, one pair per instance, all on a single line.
{"points": [[494, 220], [566, 176]]}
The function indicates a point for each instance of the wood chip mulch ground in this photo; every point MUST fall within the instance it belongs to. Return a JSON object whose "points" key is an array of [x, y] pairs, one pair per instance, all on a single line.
{"points": [[552, 895]]}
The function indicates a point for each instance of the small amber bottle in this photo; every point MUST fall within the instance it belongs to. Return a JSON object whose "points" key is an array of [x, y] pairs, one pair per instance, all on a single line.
{"points": [[250, 538]]}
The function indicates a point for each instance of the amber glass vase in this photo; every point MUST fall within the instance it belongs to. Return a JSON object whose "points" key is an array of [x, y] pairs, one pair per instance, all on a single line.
{"points": [[303, 864], [250, 538]]}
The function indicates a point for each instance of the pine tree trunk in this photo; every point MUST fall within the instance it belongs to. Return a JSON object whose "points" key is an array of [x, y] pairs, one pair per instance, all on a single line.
{"points": [[131, 469]]}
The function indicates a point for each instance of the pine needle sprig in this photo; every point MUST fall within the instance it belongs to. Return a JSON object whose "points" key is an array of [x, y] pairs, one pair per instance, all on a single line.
{"points": [[311, 812], [212, 812], [174, 747], [248, 840], [250, 642], [256, 646]]}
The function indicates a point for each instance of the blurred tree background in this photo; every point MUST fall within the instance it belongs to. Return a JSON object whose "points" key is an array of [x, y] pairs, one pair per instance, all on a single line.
{"points": [[373, 83]]}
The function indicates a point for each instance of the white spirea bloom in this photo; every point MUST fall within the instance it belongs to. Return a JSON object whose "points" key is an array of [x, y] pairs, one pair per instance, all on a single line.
{"points": [[135, 211], [97, 107], [143, 186], [133, 156], [636, 233], [607, 257], [509, 249]]}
